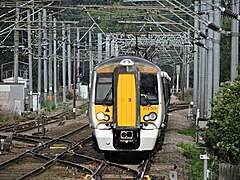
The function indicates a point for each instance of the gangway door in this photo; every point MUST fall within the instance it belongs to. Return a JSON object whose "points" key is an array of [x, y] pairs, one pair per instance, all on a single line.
{"points": [[126, 102]]}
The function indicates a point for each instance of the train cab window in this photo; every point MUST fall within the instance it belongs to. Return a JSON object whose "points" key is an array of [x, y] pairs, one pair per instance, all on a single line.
{"points": [[104, 89], [148, 89]]}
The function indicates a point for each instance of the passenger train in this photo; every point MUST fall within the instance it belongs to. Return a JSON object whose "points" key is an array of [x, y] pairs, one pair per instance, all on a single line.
{"points": [[128, 104]]}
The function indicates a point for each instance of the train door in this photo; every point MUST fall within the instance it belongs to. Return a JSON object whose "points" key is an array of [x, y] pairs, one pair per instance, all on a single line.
{"points": [[126, 107]]}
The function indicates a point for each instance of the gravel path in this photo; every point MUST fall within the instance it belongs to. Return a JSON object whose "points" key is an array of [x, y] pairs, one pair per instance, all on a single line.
{"points": [[171, 158]]}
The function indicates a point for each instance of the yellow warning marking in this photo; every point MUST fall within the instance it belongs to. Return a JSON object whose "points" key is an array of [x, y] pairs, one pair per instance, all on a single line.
{"points": [[147, 177], [57, 147], [87, 176]]}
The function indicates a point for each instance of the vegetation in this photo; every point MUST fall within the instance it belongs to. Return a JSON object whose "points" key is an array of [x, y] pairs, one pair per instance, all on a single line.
{"points": [[222, 134], [191, 152], [188, 132], [49, 106], [188, 95], [225, 48], [6, 115], [69, 95]]}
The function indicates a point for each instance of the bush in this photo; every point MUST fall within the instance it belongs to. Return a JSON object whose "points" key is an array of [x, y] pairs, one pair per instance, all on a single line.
{"points": [[188, 95], [69, 95], [223, 128], [49, 106]]}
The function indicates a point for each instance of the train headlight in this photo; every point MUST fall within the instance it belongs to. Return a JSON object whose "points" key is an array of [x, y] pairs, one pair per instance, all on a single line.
{"points": [[127, 62], [150, 117], [102, 116]]}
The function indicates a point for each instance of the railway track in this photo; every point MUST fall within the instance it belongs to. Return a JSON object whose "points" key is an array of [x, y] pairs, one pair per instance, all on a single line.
{"points": [[70, 156], [176, 107], [63, 153], [26, 125]]}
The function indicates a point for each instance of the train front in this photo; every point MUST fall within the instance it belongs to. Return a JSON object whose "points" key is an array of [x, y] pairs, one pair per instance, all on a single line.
{"points": [[126, 107]]}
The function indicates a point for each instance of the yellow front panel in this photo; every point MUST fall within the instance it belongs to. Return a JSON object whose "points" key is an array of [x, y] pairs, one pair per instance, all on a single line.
{"points": [[145, 110], [126, 111], [107, 110]]}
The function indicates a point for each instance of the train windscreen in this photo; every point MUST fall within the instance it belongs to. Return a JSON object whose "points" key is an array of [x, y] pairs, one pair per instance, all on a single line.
{"points": [[148, 89], [104, 89]]}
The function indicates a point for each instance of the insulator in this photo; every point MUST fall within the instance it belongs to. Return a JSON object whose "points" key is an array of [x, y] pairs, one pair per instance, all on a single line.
{"points": [[203, 35], [200, 13], [222, 9], [199, 43], [213, 26], [231, 14]]}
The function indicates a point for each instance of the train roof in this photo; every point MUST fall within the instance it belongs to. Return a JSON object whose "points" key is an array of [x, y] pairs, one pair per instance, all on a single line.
{"points": [[110, 64]]}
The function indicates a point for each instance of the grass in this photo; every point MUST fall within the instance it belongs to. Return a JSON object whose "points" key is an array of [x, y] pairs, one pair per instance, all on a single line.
{"points": [[188, 132], [192, 153]]}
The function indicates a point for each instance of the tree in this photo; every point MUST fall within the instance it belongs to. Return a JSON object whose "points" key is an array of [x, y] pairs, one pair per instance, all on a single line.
{"points": [[223, 128]]}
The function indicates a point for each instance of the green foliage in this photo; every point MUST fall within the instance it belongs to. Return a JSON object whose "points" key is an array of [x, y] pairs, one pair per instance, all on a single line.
{"points": [[49, 106], [69, 95], [188, 95], [191, 152], [188, 132], [223, 132]]}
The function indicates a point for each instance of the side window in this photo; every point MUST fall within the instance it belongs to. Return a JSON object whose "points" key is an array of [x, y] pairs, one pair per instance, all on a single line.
{"points": [[148, 89], [104, 91]]}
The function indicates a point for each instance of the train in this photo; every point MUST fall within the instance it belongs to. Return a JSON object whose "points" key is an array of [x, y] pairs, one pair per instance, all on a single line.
{"points": [[128, 105]]}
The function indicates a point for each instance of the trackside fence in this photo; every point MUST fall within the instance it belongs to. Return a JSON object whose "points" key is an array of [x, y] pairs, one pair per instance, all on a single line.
{"points": [[229, 172]]}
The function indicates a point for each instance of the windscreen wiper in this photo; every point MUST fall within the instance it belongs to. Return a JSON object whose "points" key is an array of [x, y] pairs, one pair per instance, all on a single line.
{"points": [[107, 96]]}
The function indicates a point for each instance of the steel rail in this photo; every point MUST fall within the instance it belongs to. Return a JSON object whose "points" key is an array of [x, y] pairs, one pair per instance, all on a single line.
{"points": [[52, 161], [103, 164], [11, 161]]}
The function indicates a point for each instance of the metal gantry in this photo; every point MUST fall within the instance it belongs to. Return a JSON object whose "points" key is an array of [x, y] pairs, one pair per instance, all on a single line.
{"points": [[167, 33]]}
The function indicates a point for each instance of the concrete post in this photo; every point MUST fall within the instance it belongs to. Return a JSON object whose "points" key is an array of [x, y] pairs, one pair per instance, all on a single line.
{"points": [[16, 43], [235, 41], [64, 61], [50, 55], [210, 64], [216, 48], [69, 57], [178, 73], [45, 75], [30, 61], [55, 60], [99, 47], [39, 59], [196, 61], [202, 68], [90, 57], [78, 62]]}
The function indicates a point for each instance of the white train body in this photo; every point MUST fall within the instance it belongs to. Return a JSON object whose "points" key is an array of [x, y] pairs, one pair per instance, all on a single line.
{"points": [[128, 104]]}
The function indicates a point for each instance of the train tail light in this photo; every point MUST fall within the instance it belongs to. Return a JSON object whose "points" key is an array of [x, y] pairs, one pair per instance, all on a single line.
{"points": [[150, 117]]}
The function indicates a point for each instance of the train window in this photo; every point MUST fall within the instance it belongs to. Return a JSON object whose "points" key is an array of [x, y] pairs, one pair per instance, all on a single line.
{"points": [[148, 89], [104, 89]]}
